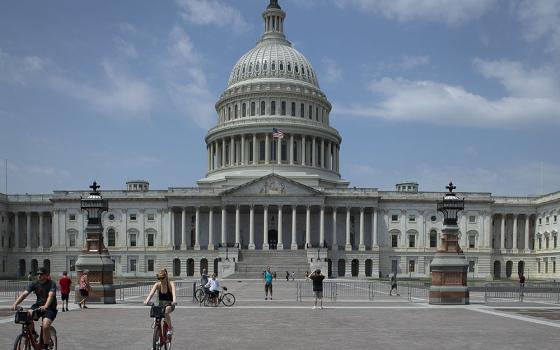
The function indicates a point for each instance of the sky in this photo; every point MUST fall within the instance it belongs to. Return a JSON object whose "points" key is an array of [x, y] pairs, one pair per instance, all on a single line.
{"points": [[427, 91]]}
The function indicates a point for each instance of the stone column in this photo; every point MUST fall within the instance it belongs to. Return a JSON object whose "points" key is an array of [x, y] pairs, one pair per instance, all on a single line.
{"points": [[526, 233], [308, 227], [348, 246], [224, 234], [291, 149], [374, 228], [252, 228], [482, 239], [489, 233], [231, 151], [28, 232], [280, 245], [313, 153], [329, 159], [266, 151], [197, 229], [16, 229], [514, 244], [54, 229], [323, 153], [211, 229], [279, 151], [223, 152], [41, 239], [243, 150], [464, 239], [212, 165], [171, 228], [422, 233], [362, 246], [255, 156], [334, 240], [303, 150], [294, 236], [237, 232], [322, 227], [265, 228], [184, 229], [503, 232], [403, 229]]}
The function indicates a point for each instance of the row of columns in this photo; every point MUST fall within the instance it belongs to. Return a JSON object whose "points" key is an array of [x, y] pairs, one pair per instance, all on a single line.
{"points": [[515, 231], [28, 232], [239, 152], [280, 245]]}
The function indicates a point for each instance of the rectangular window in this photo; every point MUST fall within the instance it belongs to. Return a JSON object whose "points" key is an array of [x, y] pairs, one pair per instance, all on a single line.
{"points": [[394, 218], [284, 151], [72, 217], [272, 148], [555, 240], [302, 110], [150, 266], [263, 108], [316, 114], [111, 239], [411, 265], [547, 242], [554, 266], [72, 240], [132, 238], [252, 109], [412, 241], [540, 243], [545, 266], [555, 218], [540, 221], [283, 108], [293, 109], [433, 240], [472, 241], [151, 216], [310, 112], [538, 266], [150, 239], [132, 263], [273, 108], [394, 241], [412, 218], [547, 220], [132, 217], [394, 266], [295, 155], [472, 219], [262, 150], [471, 265], [72, 264]]}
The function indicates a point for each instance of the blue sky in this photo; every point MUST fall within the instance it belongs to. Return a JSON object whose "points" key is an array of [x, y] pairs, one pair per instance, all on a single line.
{"points": [[429, 91]]}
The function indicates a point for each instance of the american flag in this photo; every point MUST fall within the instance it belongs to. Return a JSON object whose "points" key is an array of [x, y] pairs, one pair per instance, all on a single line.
{"points": [[277, 133]]}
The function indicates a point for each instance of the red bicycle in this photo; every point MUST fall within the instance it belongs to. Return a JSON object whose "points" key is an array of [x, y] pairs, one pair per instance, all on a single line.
{"points": [[160, 340], [27, 339]]}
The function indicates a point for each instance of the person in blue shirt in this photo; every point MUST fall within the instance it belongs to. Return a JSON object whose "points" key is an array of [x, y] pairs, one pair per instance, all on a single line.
{"points": [[267, 283]]}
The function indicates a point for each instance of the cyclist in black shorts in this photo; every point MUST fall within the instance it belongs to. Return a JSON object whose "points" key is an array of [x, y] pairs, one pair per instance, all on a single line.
{"points": [[166, 295], [45, 306]]}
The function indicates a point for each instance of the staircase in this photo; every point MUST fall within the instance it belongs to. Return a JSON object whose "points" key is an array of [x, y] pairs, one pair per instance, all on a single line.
{"points": [[252, 263]]}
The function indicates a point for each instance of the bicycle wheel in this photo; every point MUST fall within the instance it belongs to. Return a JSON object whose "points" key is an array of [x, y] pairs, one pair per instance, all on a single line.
{"points": [[155, 338], [228, 299], [199, 295], [54, 339], [22, 343]]}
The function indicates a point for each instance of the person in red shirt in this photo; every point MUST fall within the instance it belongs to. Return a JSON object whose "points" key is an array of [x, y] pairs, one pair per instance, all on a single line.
{"points": [[64, 283]]}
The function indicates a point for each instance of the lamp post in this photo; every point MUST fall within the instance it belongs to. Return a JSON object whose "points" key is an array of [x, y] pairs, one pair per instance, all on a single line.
{"points": [[449, 266]]}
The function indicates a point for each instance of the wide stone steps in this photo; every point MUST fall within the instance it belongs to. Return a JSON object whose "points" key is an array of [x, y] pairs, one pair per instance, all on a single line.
{"points": [[252, 263]]}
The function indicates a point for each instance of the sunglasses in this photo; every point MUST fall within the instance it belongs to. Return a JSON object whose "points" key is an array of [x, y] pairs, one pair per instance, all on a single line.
{"points": [[40, 274]]}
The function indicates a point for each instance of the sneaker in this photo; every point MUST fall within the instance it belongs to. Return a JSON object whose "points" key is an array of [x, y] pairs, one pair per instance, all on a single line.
{"points": [[314, 307], [265, 298], [85, 307]]}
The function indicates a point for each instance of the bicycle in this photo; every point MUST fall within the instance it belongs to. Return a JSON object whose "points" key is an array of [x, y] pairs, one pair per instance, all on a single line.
{"points": [[27, 339], [160, 340], [227, 299], [200, 293]]}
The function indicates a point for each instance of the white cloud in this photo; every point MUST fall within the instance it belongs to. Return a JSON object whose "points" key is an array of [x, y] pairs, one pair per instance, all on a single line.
{"points": [[126, 48], [541, 20], [186, 81], [20, 70], [410, 62], [212, 12], [536, 102], [120, 95], [332, 72], [451, 12]]}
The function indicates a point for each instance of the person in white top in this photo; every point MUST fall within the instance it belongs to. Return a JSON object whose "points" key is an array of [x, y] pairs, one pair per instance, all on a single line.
{"points": [[213, 286]]}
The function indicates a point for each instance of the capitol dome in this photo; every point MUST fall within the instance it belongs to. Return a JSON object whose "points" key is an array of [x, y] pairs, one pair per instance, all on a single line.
{"points": [[273, 118]]}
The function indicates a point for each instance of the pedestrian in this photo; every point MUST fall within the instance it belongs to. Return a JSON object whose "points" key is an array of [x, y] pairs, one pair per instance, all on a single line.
{"points": [[30, 276], [394, 285], [65, 283], [203, 277], [317, 279], [522, 280], [287, 276], [274, 275], [267, 283], [84, 289], [293, 275]]}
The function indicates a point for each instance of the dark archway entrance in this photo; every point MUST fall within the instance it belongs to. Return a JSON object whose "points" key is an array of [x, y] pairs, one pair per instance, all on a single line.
{"points": [[47, 265], [521, 268], [216, 262], [203, 265], [497, 270], [21, 269], [190, 267], [355, 267], [369, 267], [329, 264], [176, 267], [272, 239], [34, 267], [341, 267], [509, 268]]}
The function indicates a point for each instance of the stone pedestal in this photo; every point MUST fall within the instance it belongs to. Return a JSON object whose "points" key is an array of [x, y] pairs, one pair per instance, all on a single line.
{"points": [[449, 271]]}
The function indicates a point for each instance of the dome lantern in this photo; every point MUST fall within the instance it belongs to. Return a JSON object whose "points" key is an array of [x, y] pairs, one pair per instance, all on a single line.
{"points": [[273, 18]]}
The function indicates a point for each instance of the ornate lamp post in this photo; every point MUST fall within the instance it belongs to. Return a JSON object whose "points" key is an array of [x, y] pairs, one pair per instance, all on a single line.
{"points": [[449, 267], [95, 257]]}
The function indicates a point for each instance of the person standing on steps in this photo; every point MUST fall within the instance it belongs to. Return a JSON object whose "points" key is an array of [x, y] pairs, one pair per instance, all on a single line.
{"points": [[64, 282], [267, 283]]}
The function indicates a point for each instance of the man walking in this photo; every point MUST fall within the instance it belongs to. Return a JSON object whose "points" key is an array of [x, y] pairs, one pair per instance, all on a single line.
{"points": [[394, 285], [317, 279], [64, 283], [84, 289], [267, 283]]}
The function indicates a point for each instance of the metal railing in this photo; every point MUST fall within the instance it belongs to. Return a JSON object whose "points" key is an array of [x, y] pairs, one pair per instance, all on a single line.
{"points": [[364, 290], [531, 291], [129, 291], [12, 289]]}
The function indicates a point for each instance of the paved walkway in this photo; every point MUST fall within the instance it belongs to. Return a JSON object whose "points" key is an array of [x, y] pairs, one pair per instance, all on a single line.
{"points": [[283, 323]]}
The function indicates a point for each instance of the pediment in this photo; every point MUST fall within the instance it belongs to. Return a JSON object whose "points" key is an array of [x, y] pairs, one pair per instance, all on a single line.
{"points": [[272, 185]]}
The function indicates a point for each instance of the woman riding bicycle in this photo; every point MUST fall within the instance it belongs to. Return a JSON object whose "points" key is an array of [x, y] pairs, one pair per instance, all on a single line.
{"points": [[166, 296], [213, 286]]}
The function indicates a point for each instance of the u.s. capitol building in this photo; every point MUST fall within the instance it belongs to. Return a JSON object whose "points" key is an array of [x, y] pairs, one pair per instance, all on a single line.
{"points": [[273, 194]]}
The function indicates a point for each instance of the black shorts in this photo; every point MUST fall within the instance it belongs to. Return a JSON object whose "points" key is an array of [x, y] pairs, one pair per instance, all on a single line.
{"points": [[49, 313], [64, 296], [84, 292]]}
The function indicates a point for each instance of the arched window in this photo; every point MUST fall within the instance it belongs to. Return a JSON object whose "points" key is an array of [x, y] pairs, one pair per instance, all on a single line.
{"points": [[273, 65], [296, 67], [257, 67], [302, 110], [252, 108], [289, 67], [433, 239], [235, 111], [283, 108], [111, 238], [265, 65], [302, 70], [229, 113], [281, 65], [316, 113], [293, 109], [263, 108], [273, 108], [295, 155], [250, 67], [243, 110], [310, 112]]}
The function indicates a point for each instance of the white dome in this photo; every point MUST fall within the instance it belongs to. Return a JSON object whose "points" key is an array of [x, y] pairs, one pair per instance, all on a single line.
{"points": [[273, 59]]}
